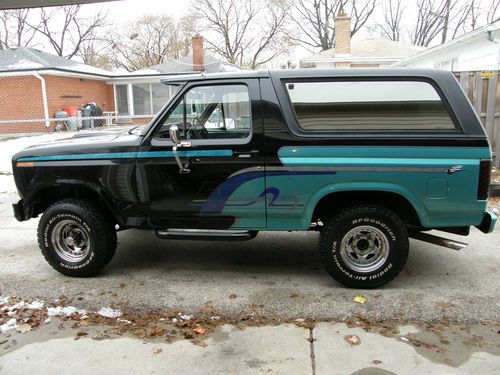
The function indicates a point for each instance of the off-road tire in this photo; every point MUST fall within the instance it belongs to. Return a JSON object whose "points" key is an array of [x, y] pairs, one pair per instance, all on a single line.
{"points": [[98, 227], [385, 225]]}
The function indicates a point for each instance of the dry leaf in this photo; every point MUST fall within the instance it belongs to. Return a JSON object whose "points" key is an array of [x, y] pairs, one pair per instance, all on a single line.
{"points": [[157, 351], [157, 331], [201, 344], [232, 296], [359, 299], [445, 305], [352, 339], [199, 330], [23, 328]]}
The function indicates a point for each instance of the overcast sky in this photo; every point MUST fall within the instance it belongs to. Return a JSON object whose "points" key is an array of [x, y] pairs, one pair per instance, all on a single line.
{"points": [[127, 10]]}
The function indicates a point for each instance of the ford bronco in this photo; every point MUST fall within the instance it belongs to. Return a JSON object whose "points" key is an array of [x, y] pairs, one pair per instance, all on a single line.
{"points": [[367, 157]]}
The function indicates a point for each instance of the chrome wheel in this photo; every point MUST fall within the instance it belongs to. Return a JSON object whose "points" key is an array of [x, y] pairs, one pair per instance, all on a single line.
{"points": [[71, 241], [364, 249]]}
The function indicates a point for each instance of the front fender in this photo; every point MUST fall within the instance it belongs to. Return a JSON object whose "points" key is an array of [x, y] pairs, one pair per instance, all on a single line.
{"points": [[366, 186], [40, 190]]}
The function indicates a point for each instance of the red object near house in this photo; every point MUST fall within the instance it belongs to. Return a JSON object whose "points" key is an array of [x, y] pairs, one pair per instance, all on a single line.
{"points": [[71, 111]]}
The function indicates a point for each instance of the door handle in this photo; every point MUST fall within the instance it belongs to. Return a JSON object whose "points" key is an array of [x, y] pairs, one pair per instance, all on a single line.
{"points": [[246, 154]]}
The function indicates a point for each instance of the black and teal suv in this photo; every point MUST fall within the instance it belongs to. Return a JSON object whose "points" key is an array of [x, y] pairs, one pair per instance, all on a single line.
{"points": [[367, 157]]}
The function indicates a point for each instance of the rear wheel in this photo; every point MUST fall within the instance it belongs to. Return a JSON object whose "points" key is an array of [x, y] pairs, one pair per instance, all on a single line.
{"points": [[364, 246], [76, 238]]}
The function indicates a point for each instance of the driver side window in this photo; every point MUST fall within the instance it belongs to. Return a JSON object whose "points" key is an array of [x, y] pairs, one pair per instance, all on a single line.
{"points": [[212, 112]]}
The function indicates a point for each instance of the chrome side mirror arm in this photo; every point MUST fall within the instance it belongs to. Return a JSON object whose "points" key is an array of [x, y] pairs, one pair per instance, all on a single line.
{"points": [[174, 136]]}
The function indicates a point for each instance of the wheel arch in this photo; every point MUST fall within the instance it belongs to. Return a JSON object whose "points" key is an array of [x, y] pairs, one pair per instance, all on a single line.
{"points": [[395, 197], [46, 194]]}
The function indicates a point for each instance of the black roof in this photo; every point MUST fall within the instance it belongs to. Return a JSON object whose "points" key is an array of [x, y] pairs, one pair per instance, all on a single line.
{"points": [[314, 73]]}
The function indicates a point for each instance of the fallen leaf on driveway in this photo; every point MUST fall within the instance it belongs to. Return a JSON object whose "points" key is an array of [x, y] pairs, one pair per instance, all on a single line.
{"points": [[445, 305], [232, 296], [79, 334], [359, 299], [200, 330], [157, 331], [23, 328], [201, 344], [352, 339]]}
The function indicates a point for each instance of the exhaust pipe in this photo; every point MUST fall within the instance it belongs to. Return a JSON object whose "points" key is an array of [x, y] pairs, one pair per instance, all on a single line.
{"points": [[436, 240]]}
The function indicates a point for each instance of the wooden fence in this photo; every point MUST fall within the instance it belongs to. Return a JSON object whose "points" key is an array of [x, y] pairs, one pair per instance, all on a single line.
{"points": [[483, 90]]}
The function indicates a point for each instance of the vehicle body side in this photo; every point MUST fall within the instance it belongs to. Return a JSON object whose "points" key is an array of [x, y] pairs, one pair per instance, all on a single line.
{"points": [[293, 179]]}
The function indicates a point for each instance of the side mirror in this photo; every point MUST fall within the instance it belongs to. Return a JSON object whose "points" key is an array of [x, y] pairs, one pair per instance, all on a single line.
{"points": [[174, 134]]}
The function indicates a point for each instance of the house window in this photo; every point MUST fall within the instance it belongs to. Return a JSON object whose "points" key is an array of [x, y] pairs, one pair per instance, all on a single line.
{"points": [[142, 99], [121, 92], [161, 94]]}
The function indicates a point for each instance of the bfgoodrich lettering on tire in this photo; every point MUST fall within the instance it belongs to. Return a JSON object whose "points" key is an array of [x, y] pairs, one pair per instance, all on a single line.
{"points": [[364, 246], [76, 238]]}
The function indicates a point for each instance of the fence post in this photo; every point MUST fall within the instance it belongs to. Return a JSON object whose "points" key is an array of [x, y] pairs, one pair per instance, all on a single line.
{"points": [[477, 93], [490, 106]]}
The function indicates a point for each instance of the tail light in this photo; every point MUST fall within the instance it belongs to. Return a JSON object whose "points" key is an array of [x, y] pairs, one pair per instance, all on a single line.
{"points": [[483, 187]]}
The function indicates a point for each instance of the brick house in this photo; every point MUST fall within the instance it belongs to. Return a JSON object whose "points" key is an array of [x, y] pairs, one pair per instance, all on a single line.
{"points": [[364, 53], [35, 85]]}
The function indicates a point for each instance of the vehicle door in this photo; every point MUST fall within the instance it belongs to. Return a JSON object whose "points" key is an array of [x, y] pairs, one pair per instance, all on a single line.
{"points": [[213, 178]]}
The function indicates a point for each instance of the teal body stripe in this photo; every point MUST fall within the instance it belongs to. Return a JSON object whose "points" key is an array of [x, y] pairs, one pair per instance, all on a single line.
{"points": [[111, 155], [130, 155], [195, 153], [319, 153]]}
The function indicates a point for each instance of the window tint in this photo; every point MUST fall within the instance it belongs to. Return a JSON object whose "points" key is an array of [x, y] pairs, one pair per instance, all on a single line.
{"points": [[367, 105], [212, 112]]}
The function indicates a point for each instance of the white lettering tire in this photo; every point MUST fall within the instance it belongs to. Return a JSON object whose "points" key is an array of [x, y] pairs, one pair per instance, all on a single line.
{"points": [[364, 246]]}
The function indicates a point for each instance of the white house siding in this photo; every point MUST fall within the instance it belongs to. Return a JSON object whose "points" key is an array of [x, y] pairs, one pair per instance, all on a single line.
{"points": [[474, 53]]}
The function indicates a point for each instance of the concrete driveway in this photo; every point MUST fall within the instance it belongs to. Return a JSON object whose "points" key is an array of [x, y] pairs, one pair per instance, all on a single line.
{"points": [[280, 273], [272, 308]]}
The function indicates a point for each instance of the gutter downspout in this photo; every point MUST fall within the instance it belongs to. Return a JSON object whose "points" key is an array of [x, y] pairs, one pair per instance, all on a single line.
{"points": [[44, 98], [497, 42]]}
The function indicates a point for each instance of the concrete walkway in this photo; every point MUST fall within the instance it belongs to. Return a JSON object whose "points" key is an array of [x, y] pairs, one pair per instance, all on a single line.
{"points": [[329, 348]]}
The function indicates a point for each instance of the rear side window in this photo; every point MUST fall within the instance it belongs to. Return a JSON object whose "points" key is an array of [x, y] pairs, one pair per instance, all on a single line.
{"points": [[368, 105]]}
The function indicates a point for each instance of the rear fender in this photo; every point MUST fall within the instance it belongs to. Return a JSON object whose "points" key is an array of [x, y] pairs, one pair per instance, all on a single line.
{"points": [[366, 186]]}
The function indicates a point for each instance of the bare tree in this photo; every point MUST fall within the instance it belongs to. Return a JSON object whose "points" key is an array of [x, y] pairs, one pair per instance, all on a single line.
{"points": [[15, 30], [67, 30], [391, 24], [247, 33], [314, 20], [94, 53], [431, 20], [493, 12], [151, 40], [466, 19], [445, 18]]}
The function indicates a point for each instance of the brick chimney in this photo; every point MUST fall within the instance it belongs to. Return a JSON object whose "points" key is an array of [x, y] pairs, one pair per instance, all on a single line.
{"points": [[197, 43], [342, 37]]}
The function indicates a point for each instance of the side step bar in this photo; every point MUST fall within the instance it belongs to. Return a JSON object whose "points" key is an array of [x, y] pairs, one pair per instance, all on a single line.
{"points": [[436, 240], [206, 235]]}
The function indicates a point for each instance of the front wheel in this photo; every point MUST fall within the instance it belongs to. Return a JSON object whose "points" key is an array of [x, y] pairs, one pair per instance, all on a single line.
{"points": [[76, 238], [364, 246]]}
